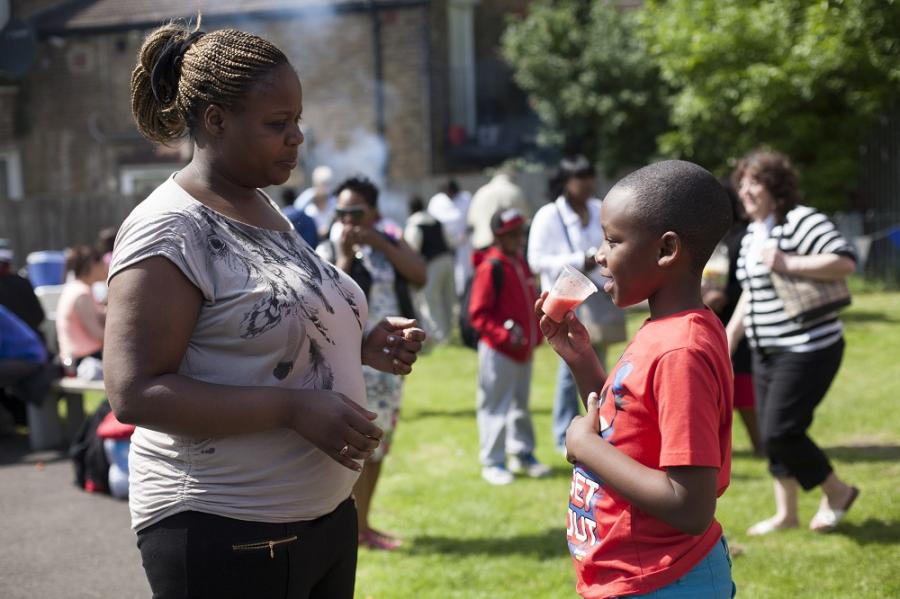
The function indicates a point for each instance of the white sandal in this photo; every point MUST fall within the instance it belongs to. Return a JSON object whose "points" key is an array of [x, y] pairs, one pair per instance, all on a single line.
{"points": [[827, 519], [764, 527]]}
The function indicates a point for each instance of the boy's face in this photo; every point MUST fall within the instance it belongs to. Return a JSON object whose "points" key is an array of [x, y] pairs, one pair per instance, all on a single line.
{"points": [[513, 242], [629, 255]]}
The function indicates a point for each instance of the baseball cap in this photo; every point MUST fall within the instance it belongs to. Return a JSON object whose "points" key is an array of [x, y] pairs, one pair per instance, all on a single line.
{"points": [[506, 220]]}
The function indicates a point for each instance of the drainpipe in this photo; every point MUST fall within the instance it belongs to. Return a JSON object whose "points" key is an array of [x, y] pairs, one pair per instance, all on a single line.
{"points": [[428, 125], [379, 82]]}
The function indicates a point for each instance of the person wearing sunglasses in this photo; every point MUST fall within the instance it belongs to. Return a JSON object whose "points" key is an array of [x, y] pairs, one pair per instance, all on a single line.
{"points": [[374, 254]]}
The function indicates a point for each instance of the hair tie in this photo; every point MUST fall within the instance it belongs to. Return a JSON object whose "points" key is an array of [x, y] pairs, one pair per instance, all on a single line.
{"points": [[169, 62]]}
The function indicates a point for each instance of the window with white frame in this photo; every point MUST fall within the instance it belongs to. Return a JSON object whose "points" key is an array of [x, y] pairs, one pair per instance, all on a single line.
{"points": [[461, 34], [141, 179]]}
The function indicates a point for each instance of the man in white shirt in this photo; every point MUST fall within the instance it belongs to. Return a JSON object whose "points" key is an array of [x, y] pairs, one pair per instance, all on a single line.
{"points": [[499, 192], [449, 207]]}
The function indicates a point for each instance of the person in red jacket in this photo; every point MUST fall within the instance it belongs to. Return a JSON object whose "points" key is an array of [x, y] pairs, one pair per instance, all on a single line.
{"points": [[501, 310]]}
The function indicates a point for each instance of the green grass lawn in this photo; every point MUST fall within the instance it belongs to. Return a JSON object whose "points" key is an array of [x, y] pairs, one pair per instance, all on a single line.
{"points": [[464, 538]]}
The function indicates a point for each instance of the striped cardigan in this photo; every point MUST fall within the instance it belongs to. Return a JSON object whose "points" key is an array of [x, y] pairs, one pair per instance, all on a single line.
{"points": [[804, 232]]}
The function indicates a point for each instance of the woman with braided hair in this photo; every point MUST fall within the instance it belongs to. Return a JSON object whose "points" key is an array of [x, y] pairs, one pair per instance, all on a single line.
{"points": [[232, 346]]}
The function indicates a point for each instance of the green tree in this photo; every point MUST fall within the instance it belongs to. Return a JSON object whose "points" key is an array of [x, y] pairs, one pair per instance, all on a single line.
{"points": [[708, 80], [807, 77], [590, 80]]}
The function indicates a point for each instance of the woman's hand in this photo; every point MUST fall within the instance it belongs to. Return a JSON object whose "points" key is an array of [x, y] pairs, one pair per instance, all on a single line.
{"points": [[775, 259], [393, 345], [359, 235], [338, 426], [568, 338], [583, 428]]}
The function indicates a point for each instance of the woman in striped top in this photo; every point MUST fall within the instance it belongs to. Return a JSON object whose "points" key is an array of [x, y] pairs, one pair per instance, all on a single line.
{"points": [[793, 362]]}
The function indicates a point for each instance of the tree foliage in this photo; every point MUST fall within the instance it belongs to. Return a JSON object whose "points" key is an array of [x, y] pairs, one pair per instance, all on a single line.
{"points": [[715, 79], [590, 80]]}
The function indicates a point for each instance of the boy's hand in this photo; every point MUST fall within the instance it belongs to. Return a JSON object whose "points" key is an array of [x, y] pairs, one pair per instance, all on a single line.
{"points": [[583, 428], [568, 338]]}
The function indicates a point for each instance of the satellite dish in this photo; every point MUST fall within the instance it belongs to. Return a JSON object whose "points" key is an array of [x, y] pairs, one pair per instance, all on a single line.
{"points": [[18, 46]]}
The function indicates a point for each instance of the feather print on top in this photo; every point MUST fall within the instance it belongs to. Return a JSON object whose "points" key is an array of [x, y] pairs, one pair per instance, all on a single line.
{"points": [[292, 350], [320, 375], [332, 274], [288, 271]]}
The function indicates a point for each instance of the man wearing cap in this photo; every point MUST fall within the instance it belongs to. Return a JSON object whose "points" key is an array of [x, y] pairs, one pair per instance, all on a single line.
{"points": [[503, 315]]}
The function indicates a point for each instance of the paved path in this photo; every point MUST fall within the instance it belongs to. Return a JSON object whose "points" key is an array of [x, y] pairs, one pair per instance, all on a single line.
{"points": [[57, 541]]}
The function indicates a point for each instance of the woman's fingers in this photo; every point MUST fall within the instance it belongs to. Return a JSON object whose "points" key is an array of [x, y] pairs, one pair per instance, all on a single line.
{"points": [[360, 419], [357, 446], [350, 457], [403, 348], [414, 335], [362, 442]]}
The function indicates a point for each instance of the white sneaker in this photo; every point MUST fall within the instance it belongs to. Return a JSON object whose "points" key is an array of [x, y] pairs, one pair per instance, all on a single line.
{"points": [[497, 475], [529, 466]]}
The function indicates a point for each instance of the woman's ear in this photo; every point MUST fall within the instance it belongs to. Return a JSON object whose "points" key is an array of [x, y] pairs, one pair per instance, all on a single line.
{"points": [[213, 120], [670, 249]]}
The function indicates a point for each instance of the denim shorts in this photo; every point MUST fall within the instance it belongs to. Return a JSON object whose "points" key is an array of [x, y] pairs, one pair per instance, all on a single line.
{"points": [[710, 579]]}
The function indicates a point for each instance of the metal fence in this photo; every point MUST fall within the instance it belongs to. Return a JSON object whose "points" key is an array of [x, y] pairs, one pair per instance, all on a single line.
{"points": [[880, 190]]}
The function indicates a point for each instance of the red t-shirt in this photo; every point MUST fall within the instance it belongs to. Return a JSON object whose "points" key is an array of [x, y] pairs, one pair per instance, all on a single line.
{"points": [[666, 403]]}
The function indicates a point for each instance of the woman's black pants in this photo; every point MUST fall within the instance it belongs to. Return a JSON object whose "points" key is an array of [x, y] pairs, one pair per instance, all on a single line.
{"points": [[789, 386], [193, 555]]}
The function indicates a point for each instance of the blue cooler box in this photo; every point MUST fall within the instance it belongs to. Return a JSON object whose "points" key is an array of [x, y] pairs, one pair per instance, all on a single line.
{"points": [[46, 268]]}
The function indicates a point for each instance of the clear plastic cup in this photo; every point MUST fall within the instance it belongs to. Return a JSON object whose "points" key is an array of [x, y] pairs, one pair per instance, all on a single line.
{"points": [[570, 289]]}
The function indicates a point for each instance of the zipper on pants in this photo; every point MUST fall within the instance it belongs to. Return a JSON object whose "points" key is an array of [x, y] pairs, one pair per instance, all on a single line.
{"points": [[265, 544]]}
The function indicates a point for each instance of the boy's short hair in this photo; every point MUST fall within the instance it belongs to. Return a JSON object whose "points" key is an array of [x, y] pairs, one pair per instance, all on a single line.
{"points": [[682, 197]]}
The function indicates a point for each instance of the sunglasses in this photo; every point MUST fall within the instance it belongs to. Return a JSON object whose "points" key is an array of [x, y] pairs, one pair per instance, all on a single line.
{"points": [[353, 213]]}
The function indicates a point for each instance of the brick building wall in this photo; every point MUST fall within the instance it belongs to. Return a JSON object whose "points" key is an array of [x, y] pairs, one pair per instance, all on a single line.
{"points": [[76, 109]]}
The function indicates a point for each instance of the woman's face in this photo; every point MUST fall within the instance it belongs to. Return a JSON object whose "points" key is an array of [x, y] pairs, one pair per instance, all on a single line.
{"points": [[260, 138], [758, 203], [352, 209], [581, 189]]}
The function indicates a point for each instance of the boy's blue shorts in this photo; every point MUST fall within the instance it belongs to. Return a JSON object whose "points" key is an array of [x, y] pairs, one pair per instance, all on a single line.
{"points": [[710, 579]]}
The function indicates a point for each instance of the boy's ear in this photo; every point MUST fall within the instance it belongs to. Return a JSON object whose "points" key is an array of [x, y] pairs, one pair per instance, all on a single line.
{"points": [[670, 249]]}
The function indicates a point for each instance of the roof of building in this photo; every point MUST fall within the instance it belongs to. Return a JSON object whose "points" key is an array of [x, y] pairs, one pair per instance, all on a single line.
{"points": [[108, 15]]}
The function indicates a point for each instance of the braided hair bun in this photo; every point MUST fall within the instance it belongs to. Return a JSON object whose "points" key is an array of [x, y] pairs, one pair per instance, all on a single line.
{"points": [[179, 72]]}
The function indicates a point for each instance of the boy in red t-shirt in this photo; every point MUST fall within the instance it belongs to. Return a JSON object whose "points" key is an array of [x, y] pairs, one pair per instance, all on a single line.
{"points": [[653, 453]]}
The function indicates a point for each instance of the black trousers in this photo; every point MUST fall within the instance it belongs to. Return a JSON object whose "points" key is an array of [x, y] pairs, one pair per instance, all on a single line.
{"points": [[788, 387], [201, 556]]}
